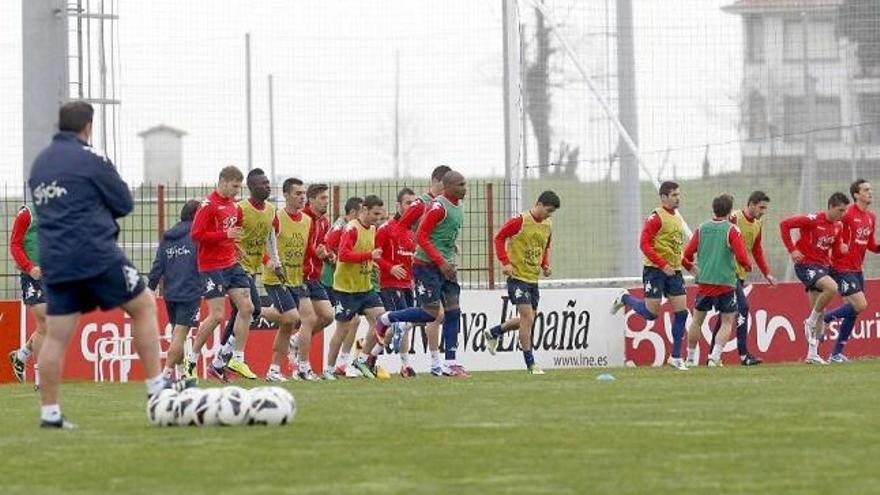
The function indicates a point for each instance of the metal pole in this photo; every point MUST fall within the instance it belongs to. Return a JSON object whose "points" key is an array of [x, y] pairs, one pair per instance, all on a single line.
{"points": [[629, 198], [490, 235], [247, 73], [271, 133], [396, 150], [512, 105]]}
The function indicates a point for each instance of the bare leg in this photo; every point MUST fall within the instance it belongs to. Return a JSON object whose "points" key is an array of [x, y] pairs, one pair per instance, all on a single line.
{"points": [[145, 331], [216, 309], [242, 300], [59, 329]]}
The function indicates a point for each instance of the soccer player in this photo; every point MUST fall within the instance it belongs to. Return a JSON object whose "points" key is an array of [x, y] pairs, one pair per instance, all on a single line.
{"points": [[24, 248], [819, 233], [859, 223], [352, 279], [661, 242], [78, 196], [176, 263], [719, 248], [522, 246], [398, 247], [435, 272], [750, 221], [217, 231]]}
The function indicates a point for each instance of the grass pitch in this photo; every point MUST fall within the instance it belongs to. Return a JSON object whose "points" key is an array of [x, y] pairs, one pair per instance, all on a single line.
{"points": [[768, 430]]}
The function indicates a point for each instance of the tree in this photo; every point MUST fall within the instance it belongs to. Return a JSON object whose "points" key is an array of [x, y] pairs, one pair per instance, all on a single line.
{"points": [[537, 94]]}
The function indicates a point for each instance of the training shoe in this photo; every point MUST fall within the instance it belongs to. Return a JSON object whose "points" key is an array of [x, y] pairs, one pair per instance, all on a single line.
{"points": [[217, 373], [534, 369], [407, 372], [437, 371], [838, 358], [381, 329], [61, 424], [189, 368], [306, 375], [328, 375], [241, 369], [618, 302], [275, 376], [691, 362], [677, 363], [714, 364], [397, 336], [815, 359], [491, 342], [362, 366], [381, 373], [18, 366], [456, 371], [749, 360], [351, 372]]}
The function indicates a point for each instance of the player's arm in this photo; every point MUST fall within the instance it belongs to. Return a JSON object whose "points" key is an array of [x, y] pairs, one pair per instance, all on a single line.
{"points": [[760, 259], [872, 244], [508, 230], [690, 251], [200, 231], [794, 222], [738, 246], [412, 214], [347, 254], [423, 235], [646, 243], [16, 240], [113, 190], [383, 242], [272, 243], [158, 268], [545, 260]]}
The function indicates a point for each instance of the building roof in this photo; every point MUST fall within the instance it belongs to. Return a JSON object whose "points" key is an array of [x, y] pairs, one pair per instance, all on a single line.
{"points": [[762, 6], [162, 128]]}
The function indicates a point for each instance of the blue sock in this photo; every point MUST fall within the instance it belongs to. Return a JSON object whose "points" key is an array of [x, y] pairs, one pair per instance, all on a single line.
{"points": [[638, 305], [411, 315], [678, 332], [742, 333], [846, 329], [843, 311], [529, 357], [496, 331], [451, 325]]}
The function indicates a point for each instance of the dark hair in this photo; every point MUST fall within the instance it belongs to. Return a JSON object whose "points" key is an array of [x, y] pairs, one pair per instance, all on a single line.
{"points": [[231, 172], [404, 192], [439, 172], [188, 211], [74, 116], [758, 197], [837, 199], [372, 200], [549, 198], [289, 183], [855, 186], [315, 189], [722, 205], [353, 204], [667, 187], [254, 174]]}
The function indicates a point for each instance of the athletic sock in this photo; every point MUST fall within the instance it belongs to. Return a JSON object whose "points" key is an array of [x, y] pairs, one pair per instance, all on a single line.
{"points": [[274, 368], [742, 335], [218, 362], [496, 331], [435, 359], [52, 413], [24, 353], [451, 325], [813, 318], [193, 357], [529, 358], [692, 353], [716, 352], [409, 315], [238, 355], [843, 311], [404, 359], [343, 359], [377, 349], [845, 331], [155, 384], [638, 305], [678, 332]]}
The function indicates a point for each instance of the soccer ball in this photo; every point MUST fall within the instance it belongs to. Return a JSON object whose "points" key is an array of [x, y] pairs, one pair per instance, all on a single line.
{"points": [[188, 402], [208, 407], [162, 408], [271, 406], [234, 407]]}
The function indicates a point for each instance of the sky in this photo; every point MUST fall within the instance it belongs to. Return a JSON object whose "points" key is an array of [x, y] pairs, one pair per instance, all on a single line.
{"points": [[181, 63]]}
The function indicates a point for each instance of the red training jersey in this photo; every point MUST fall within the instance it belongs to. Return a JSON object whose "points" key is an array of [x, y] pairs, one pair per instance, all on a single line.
{"points": [[414, 213], [320, 226], [858, 235], [737, 245], [818, 236], [214, 218], [16, 240], [398, 247]]}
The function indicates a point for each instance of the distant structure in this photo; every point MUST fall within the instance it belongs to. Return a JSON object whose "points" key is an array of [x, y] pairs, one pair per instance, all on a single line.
{"points": [[163, 155]]}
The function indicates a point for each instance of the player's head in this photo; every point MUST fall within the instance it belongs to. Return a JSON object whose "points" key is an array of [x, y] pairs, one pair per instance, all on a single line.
{"points": [[454, 185], [318, 196], [670, 194], [353, 207], [837, 204], [548, 202], [229, 185], [862, 192], [437, 178], [372, 210], [258, 185], [76, 117], [294, 193], [188, 211], [722, 205], [758, 204], [405, 198]]}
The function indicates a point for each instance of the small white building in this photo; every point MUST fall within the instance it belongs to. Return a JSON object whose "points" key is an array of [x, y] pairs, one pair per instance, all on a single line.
{"points": [[163, 155]]}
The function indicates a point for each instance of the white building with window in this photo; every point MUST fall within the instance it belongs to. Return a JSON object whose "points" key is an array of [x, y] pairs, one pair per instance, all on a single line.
{"points": [[845, 77]]}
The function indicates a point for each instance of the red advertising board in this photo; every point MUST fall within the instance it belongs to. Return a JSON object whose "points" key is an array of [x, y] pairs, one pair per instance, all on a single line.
{"points": [[776, 330], [10, 329]]}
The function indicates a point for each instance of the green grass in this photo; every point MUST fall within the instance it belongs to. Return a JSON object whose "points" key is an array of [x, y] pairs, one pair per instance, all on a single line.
{"points": [[772, 429]]}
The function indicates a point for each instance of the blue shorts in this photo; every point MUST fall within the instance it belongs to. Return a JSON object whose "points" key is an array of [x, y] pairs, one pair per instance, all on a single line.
{"points": [[520, 292], [350, 305], [31, 291], [810, 274], [218, 282], [432, 287], [725, 303], [316, 291], [849, 283], [184, 313], [658, 284], [111, 289], [331, 295], [396, 299], [285, 298]]}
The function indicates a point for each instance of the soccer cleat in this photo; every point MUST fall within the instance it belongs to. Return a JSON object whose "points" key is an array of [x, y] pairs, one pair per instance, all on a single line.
{"points": [[397, 336], [217, 373], [362, 366], [381, 373], [328, 375], [189, 368], [306, 375], [838, 358], [241, 369], [18, 366], [677, 363], [351, 372], [749, 360], [815, 359], [491, 342], [381, 329], [691, 361], [407, 372], [712, 363], [534, 369], [618, 302], [456, 371], [437, 371], [275, 376], [61, 424]]}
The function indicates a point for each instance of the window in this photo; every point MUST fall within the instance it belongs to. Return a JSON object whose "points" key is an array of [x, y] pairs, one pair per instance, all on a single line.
{"points": [[869, 111], [757, 117], [827, 118], [821, 35], [754, 38]]}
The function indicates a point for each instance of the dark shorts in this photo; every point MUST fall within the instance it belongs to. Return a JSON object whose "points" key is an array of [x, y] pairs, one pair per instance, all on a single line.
{"points": [[331, 295], [184, 313], [350, 305], [810, 274], [432, 287], [285, 298], [725, 303], [396, 299], [31, 291], [218, 282], [111, 289], [316, 291], [519, 292], [658, 284], [849, 283]]}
